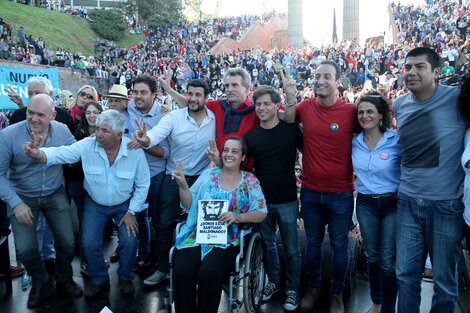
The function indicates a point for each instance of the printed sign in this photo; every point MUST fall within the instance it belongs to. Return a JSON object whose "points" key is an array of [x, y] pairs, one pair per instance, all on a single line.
{"points": [[209, 230], [17, 79]]}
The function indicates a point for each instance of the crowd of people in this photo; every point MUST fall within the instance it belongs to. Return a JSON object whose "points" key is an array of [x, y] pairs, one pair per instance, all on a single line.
{"points": [[174, 109]]}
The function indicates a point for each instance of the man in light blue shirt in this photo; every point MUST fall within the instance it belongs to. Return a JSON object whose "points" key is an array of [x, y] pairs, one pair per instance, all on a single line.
{"points": [[117, 182], [188, 131]]}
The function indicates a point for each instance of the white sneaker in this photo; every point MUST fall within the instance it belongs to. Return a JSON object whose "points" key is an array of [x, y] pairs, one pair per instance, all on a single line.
{"points": [[269, 290], [292, 300], [156, 278]]}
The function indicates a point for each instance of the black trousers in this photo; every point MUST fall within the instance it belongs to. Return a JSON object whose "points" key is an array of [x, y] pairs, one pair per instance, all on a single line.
{"points": [[209, 275]]}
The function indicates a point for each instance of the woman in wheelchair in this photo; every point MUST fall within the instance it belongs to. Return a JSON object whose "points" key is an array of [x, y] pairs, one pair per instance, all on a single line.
{"points": [[207, 265]]}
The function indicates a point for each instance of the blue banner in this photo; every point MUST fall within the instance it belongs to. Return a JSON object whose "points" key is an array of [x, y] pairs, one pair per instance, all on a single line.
{"points": [[17, 79]]}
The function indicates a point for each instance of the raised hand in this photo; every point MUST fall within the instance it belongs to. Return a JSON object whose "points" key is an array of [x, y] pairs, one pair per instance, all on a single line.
{"points": [[14, 97], [165, 109], [31, 148], [178, 175], [165, 79], [140, 135], [213, 153], [289, 85]]}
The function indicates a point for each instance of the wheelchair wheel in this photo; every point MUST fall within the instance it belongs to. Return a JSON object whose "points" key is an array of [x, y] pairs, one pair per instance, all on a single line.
{"points": [[254, 280]]}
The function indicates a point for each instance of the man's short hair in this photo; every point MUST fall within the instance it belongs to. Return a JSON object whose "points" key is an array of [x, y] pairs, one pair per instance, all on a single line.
{"points": [[47, 98], [238, 71], [113, 118], [337, 69], [431, 56], [267, 90], [46, 83], [199, 83], [148, 80]]}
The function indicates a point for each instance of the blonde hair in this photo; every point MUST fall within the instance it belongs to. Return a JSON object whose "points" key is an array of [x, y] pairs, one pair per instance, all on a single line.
{"points": [[94, 93]]}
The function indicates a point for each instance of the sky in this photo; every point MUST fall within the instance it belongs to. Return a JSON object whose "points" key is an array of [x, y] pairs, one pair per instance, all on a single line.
{"points": [[317, 15]]}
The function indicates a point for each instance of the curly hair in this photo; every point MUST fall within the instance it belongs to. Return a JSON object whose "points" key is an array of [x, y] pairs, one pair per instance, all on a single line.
{"points": [[382, 105]]}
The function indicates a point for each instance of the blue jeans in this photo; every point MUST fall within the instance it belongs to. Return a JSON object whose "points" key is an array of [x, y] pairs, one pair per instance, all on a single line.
{"points": [[422, 226], [169, 207], [285, 215], [377, 221], [318, 210], [95, 217], [153, 199], [78, 193], [55, 208], [45, 239]]}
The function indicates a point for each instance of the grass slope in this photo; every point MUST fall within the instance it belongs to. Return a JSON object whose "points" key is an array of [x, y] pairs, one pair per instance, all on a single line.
{"points": [[57, 29]]}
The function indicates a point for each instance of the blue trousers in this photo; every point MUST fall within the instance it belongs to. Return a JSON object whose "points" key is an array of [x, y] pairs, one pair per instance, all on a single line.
{"points": [[318, 210], [433, 226]]}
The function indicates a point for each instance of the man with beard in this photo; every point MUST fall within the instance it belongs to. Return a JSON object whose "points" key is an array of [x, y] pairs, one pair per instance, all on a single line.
{"points": [[117, 182], [189, 131], [327, 183]]}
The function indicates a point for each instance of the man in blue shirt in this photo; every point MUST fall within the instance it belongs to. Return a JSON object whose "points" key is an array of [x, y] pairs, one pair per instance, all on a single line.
{"points": [[188, 131], [29, 188], [429, 212], [117, 182]]}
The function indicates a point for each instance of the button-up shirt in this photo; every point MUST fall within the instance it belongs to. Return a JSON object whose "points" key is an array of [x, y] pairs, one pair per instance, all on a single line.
{"points": [[188, 140], [19, 174], [108, 185], [378, 171], [156, 164]]}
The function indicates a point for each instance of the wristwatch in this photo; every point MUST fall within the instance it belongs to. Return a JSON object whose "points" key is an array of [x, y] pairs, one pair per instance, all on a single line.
{"points": [[131, 212]]}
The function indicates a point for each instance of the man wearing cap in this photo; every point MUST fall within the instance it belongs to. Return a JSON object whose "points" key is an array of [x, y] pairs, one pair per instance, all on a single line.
{"points": [[143, 108]]}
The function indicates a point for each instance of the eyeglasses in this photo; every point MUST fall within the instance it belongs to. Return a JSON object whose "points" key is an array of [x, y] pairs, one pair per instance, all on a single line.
{"points": [[92, 112], [298, 169], [86, 95]]}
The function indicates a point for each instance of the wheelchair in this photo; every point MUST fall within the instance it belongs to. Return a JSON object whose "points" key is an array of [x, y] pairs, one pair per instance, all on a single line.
{"points": [[246, 282]]}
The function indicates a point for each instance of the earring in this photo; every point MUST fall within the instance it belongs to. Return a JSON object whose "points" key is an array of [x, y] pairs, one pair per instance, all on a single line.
{"points": [[380, 123]]}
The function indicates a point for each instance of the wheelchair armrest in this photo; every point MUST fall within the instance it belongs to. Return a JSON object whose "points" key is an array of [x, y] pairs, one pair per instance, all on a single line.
{"points": [[178, 227]]}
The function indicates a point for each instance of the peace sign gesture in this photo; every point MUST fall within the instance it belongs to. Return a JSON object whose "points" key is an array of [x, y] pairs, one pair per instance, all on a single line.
{"points": [[165, 78], [213, 153], [178, 175], [31, 148], [140, 135], [289, 85]]}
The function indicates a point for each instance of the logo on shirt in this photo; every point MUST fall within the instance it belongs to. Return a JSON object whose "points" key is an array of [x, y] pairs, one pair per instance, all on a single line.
{"points": [[384, 155], [334, 127]]}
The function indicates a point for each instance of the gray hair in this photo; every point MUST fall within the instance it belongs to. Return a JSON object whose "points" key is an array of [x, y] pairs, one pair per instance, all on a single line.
{"points": [[46, 83], [113, 118], [235, 71]]}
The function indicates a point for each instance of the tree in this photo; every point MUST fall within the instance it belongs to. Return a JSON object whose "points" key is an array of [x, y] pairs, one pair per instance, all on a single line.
{"points": [[107, 23], [160, 12], [195, 6], [335, 36]]}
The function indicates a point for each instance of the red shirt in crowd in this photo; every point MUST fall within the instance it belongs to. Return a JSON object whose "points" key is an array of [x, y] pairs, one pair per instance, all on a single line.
{"points": [[326, 157]]}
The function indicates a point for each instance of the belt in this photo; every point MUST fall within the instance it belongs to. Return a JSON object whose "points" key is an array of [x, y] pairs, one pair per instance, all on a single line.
{"points": [[382, 195]]}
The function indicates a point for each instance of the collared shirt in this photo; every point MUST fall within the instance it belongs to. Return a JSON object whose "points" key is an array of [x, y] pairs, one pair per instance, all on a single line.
{"points": [[19, 174], [378, 171], [156, 164], [107, 184], [188, 141]]}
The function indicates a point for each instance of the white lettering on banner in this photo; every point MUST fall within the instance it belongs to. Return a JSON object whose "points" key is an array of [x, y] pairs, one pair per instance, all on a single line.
{"points": [[22, 91]]}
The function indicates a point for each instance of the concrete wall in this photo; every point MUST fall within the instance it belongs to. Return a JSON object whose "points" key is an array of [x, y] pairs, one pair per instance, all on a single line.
{"points": [[67, 80]]}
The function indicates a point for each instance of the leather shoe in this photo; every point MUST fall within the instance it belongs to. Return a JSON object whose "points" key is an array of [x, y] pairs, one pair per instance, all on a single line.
{"points": [[308, 301], [126, 287], [38, 294], [93, 290], [336, 303], [69, 288]]}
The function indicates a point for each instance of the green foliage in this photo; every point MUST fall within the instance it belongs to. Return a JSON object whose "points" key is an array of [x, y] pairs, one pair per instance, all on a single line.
{"points": [[108, 23], [156, 13], [58, 29]]}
